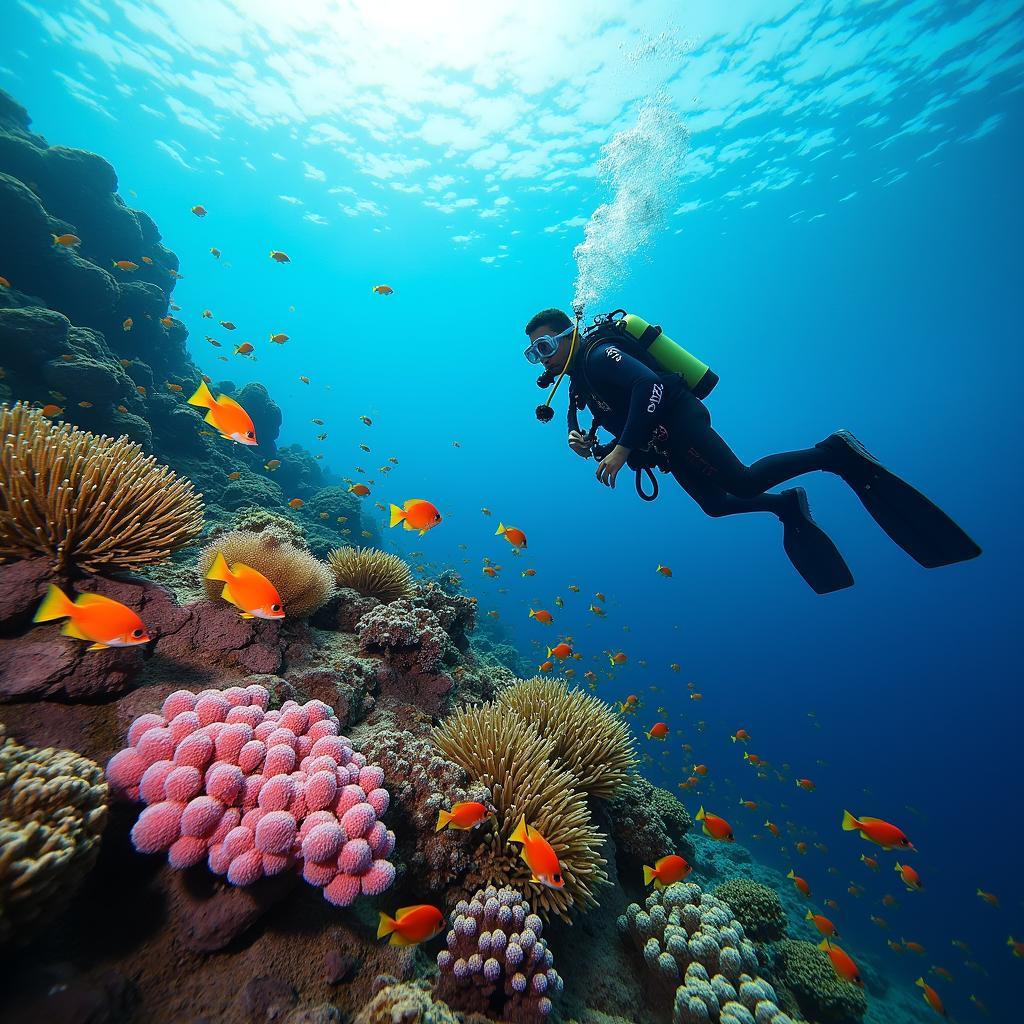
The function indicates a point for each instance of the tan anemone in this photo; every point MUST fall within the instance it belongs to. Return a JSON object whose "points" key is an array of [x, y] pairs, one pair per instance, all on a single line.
{"points": [[371, 572]]}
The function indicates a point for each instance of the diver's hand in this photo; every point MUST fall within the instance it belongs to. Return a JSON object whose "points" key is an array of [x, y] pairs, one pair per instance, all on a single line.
{"points": [[579, 444], [611, 464]]}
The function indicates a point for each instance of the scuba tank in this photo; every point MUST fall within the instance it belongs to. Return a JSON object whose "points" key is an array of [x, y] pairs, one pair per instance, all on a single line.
{"points": [[668, 354]]}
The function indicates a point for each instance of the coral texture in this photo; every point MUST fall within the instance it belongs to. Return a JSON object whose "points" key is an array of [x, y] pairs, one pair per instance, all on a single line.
{"points": [[506, 753], [648, 821], [256, 792], [85, 500], [371, 572], [405, 1002], [302, 580], [807, 973], [757, 907], [53, 805], [590, 741], [496, 952]]}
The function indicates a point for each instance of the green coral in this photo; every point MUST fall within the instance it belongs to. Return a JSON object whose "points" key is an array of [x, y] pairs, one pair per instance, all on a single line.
{"points": [[756, 907], [807, 973], [648, 822]]}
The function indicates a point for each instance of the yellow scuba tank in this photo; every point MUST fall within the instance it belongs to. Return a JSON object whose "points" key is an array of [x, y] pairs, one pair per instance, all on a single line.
{"points": [[698, 376]]}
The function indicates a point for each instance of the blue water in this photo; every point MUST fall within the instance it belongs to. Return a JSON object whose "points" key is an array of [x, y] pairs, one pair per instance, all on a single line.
{"points": [[846, 253]]}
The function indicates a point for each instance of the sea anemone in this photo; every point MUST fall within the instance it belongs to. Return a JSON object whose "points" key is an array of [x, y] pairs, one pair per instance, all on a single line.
{"points": [[87, 500], [589, 740], [506, 753], [302, 580], [371, 572]]}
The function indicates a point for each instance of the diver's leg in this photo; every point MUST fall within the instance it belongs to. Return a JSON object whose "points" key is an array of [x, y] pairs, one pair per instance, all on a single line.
{"points": [[691, 476], [690, 428]]}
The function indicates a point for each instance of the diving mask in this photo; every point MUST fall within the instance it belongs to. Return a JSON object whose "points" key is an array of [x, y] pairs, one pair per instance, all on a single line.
{"points": [[545, 346]]}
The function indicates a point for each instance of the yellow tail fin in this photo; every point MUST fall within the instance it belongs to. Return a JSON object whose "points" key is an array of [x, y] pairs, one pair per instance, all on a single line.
{"points": [[791, 875], [397, 515], [920, 981], [808, 916], [701, 815], [500, 530], [55, 605], [386, 925], [521, 834], [443, 817], [850, 823], [219, 570], [649, 875], [203, 397]]}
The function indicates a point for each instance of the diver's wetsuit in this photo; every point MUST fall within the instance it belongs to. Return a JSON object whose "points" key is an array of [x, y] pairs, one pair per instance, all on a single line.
{"points": [[630, 399]]}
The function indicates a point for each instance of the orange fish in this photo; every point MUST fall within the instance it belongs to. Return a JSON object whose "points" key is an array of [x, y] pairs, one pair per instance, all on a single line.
{"points": [[1017, 948], [416, 514], [514, 536], [941, 972], [772, 827], [674, 666], [464, 815], [931, 997], [869, 862], [560, 651], [877, 831], [215, 253], [167, 321], [700, 769], [658, 731], [227, 325], [125, 265], [171, 386], [127, 324], [244, 349], [529, 572], [248, 590], [207, 314], [104, 621], [805, 784], [666, 871], [741, 736], [914, 947], [888, 900], [911, 879], [272, 464], [751, 805], [619, 658], [279, 257], [303, 379], [199, 211], [696, 696], [51, 410], [539, 856], [800, 884], [147, 259], [547, 666], [68, 241], [599, 596], [842, 962], [542, 616], [853, 889], [716, 827], [382, 289], [4, 283], [359, 489], [879, 922], [85, 405], [831, 904], [597, 610], [226, 415], [296, 503], [801, 847], [989, 897], [664, 570], [490, 570], [823, 924], [236, 475], [411, 925], [752, 759], [279, 339], [572, 586], [368, 422]]}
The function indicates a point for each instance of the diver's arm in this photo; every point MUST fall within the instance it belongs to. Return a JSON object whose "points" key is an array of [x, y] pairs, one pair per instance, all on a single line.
{"points": [[645, 393]]}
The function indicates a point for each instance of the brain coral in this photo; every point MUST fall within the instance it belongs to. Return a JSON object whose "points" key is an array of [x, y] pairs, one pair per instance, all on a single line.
{"points": [[371, 572], [87, 500], [757, 907], [811, 979], [688, 936], [589, 740], [506, 753], [302, 580], [53, 805]]}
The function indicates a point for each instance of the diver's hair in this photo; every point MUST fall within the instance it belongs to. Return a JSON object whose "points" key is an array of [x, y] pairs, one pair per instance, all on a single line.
{"points": [[551, 318]]}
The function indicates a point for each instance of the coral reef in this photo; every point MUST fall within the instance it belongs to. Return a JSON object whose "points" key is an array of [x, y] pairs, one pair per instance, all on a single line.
{"points": [[455, 612], [53, 806], [688, 936], [756, 907], [87, 501], [506, 753], [648, 822], [371, 573], [589, 740], [806, 973], [497, 955], [256, 792], [302, 580], [404, 1002]]}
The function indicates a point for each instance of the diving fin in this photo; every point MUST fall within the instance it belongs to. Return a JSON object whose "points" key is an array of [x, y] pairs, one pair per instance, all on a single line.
{"points": [[913, 522], [810, 548]]}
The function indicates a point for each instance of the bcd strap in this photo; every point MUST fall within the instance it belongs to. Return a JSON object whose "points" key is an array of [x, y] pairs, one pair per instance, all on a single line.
{"points": [[649, 336], [640, 486]]}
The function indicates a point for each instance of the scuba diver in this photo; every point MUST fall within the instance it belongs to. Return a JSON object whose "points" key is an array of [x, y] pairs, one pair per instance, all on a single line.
{"points": [[647, 391]]}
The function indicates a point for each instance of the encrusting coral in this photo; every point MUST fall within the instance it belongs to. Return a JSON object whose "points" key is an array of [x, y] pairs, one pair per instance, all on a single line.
{"points": [[808, 975], [589, 740], [86, 500], [371, 572], [648, 821], [756, 907], [256, 792], [506, 753], [303, 581], [689, 936], [53, 806], [496, 952]]}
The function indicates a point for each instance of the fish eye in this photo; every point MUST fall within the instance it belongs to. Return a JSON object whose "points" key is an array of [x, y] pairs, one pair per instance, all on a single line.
{"points": [[136, 632], [558, 878], [249, 433], [275, 607]]}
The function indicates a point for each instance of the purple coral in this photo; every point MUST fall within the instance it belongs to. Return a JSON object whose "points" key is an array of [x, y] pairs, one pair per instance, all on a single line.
{"points": [[255, 792], [495, 946]]}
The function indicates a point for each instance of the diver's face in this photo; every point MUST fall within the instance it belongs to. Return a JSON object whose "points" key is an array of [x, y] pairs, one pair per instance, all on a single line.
{"points": [[557, 360]]}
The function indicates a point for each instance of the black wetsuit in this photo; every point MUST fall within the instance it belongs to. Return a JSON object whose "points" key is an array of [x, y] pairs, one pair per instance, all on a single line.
{"points": [[630, 399]]}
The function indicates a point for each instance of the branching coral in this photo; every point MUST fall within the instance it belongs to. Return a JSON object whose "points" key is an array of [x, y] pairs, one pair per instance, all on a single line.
{"points": [[302, 580], [371, 572], [53, 805], [504, 751], [87, 500], [589, 740]]}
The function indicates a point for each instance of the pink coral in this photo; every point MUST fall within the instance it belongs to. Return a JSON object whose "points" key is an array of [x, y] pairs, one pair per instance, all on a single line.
{"points": [[256, 792]]}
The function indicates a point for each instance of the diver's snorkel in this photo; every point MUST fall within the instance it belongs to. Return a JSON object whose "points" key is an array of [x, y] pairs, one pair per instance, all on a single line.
{"points": [[544, 412]]}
